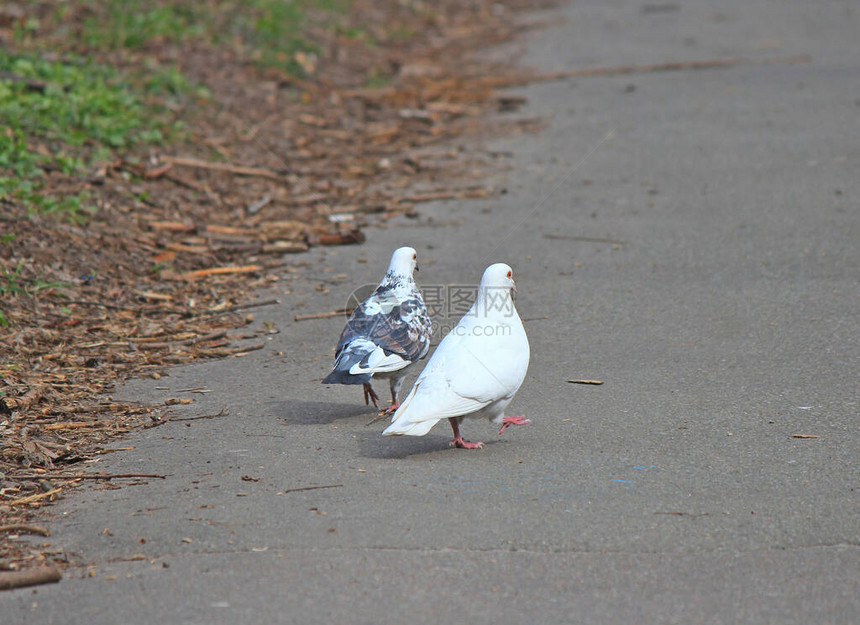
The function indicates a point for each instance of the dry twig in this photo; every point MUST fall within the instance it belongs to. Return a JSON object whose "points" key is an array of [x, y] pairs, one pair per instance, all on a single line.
{"points": [[25, 528], [29, 577], [325, 315], [296, 490], [620, 70], [219, 271], [226, 167], [221, 413], [33, 498]]}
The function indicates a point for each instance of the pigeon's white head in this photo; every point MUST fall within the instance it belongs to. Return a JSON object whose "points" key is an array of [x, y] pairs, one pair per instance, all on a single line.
{"points": [[498, 276], [404, 261]]}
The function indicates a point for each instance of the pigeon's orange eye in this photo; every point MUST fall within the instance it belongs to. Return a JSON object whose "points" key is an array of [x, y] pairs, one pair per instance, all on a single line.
{"points": [[509, 274], [415, 257]]}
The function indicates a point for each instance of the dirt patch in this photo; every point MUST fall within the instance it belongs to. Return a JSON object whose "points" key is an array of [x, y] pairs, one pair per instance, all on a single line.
{"points": [[163, 273]]}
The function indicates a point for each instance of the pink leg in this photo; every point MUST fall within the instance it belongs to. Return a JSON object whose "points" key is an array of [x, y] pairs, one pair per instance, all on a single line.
{"points": [[394, 403], [458, 440], [513, 421], [370, 396]]}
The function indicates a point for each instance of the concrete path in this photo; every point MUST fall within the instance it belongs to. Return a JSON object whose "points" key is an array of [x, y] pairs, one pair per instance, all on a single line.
{"points": [[691, 238]]}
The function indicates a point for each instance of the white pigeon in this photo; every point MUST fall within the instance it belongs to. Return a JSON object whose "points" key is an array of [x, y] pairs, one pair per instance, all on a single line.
{"points": [[476, 369], [386, 333]]}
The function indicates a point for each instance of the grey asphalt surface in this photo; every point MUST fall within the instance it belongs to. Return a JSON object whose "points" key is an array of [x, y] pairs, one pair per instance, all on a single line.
{"points": [[693, 240]]}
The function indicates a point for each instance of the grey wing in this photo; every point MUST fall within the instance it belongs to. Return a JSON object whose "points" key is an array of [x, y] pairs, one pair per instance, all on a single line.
{"points": [[403, 329], [415, 329]]}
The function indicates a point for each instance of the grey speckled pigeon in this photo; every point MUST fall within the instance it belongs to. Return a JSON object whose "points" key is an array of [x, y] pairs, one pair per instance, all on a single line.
{"points": [[386, 333]]}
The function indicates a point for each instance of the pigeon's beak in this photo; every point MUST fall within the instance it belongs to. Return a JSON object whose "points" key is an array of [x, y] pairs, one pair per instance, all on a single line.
{"points": [[417, 268]]}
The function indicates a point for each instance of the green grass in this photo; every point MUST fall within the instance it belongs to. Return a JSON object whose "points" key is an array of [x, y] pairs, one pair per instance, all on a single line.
{"points": [[136, 23], [9, 281], [276, 34], [63, 116], [271, 32], [77, 102]]}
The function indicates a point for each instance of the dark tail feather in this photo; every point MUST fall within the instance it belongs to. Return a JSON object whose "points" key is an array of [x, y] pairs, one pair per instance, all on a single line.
{"points": [[341, 375], [345, 377]]}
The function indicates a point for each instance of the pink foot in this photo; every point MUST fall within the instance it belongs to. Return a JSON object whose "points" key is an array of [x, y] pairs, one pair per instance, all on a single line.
{"points": [[370, 396], [392, 408], [461, 444], [458, 440], [513, 421]]}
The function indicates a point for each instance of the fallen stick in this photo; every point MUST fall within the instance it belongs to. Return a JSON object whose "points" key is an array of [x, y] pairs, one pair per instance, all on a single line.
{"points": [[594, 382], [71, 425], [29, 577], [446, 195], [27, 529], [32, 498], [240, 170], [231, 351], [80, 302], [161, 297], [188, 249], [267, 302], [325, 315], [222, 413], [192, 341], [671, 66], [24, 401], [110, 451], [619, 70], [379, 415], [78, 409], [217, 271], [158, 172], [295, 490]]}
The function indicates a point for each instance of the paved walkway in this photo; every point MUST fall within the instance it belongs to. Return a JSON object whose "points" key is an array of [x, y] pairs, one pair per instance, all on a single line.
{"points": [[691, 238]]}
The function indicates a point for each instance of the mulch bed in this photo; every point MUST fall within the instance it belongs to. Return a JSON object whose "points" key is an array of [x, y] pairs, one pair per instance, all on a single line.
{"points": [[164, 273]]}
